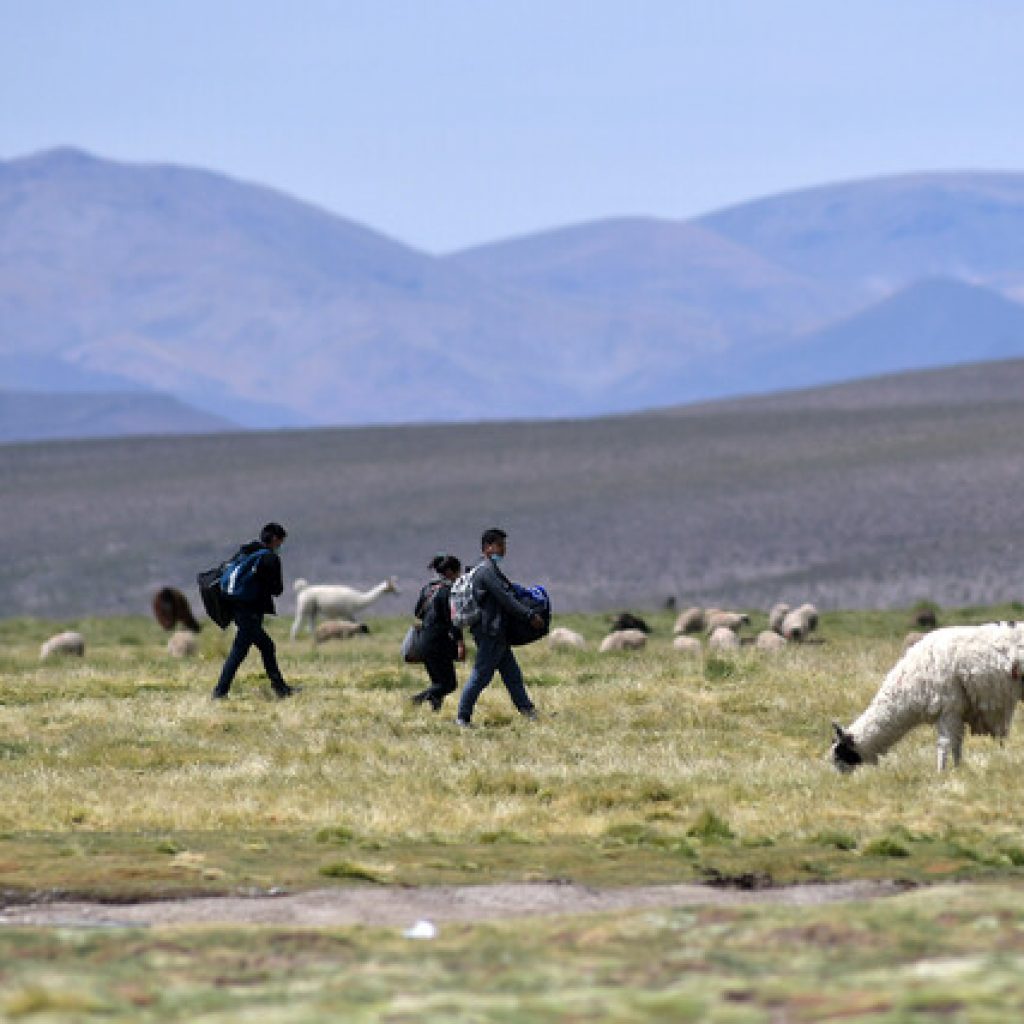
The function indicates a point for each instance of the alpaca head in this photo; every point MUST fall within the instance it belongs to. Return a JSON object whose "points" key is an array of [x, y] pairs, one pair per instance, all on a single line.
{"points": [[844, 753], [299, 585], [391, 585]]}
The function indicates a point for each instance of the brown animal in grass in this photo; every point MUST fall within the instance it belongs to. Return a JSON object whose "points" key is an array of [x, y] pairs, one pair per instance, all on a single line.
{"points": [[171, 608]]}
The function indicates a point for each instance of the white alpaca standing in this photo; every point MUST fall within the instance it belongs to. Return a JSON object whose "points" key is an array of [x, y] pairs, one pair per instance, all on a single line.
{"points": [[335, 602], [955, 677]]}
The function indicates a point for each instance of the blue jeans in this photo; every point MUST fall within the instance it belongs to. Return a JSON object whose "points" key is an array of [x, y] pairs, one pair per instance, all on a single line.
{"points": [[493, 654], [250, 634]]}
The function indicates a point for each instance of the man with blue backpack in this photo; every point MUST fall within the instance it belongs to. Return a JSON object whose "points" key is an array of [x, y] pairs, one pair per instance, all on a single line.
{"points": [[485, 600], [249, 582]]}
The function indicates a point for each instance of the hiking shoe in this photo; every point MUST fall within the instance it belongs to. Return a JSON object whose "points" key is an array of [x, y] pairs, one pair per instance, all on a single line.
{"points": [[436, 703], [288, 691], [464, 723], [531, 713], [217, 695]]}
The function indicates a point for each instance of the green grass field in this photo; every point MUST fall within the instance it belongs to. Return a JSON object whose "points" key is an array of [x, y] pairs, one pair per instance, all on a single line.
{"points": [[121, 779]]}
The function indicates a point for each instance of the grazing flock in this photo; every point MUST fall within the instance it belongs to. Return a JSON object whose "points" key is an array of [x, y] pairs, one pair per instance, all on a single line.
{"points": [[955, 678]]}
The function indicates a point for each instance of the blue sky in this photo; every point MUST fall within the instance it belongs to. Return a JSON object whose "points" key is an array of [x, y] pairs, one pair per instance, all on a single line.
{"points": [[447, 123]]}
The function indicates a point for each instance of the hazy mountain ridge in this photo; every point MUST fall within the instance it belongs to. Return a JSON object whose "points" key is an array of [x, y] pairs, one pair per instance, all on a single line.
{"points": [[34, 416], [269, 312]]}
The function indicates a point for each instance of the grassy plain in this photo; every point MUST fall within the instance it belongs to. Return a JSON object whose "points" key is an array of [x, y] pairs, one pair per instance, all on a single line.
{"points": [[120, 779]]}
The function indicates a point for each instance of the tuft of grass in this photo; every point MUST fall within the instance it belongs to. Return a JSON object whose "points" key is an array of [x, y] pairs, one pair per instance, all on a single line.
{"points": [[351, 870], [717, 668], [336, 835], [836, 839], [710, 828], [885, 846]]}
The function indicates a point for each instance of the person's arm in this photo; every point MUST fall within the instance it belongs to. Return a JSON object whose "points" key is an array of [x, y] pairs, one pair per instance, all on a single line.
{"points": [[270, 573], [493, 584]]}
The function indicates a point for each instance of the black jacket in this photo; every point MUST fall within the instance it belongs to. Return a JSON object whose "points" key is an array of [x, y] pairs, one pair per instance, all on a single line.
{"points": [[493, 592], [438, 637], [268, 576]]}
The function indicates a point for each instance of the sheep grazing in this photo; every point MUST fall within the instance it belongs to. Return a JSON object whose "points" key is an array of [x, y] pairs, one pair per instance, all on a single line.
{"points": [[333, 601], [67, 643], [687, 645], [562, 639], [624, 640], [723, 639], [769, 640], [171, 608], [800, 623], [733, 621], [338, 629], [690, 621], [955, 677], [183, 643], [627, 620], [777, 616]]}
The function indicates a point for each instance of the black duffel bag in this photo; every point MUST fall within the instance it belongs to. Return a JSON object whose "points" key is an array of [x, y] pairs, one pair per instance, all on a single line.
{"points": [[536, 599]]}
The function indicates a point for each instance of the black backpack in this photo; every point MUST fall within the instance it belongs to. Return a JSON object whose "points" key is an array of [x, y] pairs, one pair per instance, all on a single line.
{"points": [[217, 606]]}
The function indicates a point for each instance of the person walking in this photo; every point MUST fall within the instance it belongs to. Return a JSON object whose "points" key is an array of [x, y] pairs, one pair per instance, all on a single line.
{"points": [[498, 605], [440, 641], [247, 613]]}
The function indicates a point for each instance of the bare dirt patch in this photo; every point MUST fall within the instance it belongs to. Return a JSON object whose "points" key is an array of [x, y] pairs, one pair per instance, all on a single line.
{"points": [[374, 905]]}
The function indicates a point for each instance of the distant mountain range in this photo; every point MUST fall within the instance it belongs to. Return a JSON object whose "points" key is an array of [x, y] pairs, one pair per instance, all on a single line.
{"points": [[35, 416], [264, 311]]}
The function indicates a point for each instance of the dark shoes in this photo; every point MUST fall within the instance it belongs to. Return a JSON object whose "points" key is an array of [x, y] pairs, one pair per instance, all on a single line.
{"points": [[424, 697], [463, 723], [531, 713], [279, 692]]}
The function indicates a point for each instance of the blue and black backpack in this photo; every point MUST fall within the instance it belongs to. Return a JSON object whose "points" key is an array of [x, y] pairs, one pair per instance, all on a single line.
{"points": [[238, 580], [537, 600]]}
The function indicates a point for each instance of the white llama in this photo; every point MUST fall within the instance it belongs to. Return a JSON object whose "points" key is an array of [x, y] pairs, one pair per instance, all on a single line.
{"points": [[334, 602]]}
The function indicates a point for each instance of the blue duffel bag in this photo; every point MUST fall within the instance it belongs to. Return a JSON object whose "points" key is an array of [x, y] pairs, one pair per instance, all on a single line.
{"points": [[536, 599]]}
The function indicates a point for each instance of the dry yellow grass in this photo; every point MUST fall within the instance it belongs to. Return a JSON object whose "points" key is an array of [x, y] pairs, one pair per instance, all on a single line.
{"points": [[127, 740]]}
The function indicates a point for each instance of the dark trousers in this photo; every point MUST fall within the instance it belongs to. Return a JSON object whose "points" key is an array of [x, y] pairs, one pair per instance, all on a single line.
{"points": [[493, 654], [250, 634], [441, 671]]}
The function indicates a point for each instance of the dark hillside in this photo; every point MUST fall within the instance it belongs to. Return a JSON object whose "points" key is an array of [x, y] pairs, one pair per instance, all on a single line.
{"points": [[845, 502]]}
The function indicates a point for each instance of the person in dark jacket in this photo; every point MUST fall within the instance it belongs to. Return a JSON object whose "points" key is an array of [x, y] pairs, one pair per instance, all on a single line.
{"points": [[498, 604], [248, 615], [440, 641]]}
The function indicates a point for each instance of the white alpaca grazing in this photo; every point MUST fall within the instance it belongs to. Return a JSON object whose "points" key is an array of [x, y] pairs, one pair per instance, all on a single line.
{"points": [[335, 602], [563, 639], [69, 643], [955, 677], [624, 640]]}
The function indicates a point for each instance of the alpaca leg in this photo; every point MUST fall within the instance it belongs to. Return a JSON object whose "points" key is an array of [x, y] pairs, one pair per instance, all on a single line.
{"points": [[951, 738], [300, 616]]}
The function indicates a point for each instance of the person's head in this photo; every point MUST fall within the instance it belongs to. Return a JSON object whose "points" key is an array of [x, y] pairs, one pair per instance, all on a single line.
{"points": [[273, 535], [446, 565], [492, 543]]}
